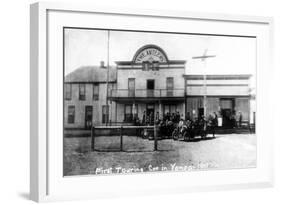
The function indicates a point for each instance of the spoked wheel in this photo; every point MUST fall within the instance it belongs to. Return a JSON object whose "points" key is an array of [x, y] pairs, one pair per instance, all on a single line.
{"points": [[187, 136], [175, 135], [204, 135], [180, 136]]}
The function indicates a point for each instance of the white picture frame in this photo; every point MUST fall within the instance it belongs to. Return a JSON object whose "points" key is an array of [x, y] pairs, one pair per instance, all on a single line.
{"points": [[46, 180]]}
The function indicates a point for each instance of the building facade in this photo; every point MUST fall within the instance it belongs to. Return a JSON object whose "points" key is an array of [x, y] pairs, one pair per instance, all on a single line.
{"points": [[85, 96], [227, 95], [152, 85]]}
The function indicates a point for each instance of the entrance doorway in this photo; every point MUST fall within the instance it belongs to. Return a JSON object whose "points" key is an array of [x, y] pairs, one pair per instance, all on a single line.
{"points": [[227, 112], [150, 113], [226, 118], [88, 117], [200, 112], [150, 86]]}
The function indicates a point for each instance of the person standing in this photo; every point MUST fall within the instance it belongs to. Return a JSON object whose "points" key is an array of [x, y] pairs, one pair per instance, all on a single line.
{"points": [[144, 118], [151, 119], [178, 117], [214, 123], [157, 117], [240, 118], [216, 119]]}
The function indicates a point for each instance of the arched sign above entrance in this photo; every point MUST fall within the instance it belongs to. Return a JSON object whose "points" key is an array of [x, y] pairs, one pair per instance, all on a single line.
{"points": [[150, 53]]}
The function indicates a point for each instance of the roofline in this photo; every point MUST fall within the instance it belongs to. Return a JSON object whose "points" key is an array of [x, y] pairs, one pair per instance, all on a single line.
{"points": [[89, 82], [218, 77]]}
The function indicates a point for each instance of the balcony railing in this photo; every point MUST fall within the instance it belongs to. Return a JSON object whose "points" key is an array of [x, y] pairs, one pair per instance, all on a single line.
{"points": [[146, 93]]}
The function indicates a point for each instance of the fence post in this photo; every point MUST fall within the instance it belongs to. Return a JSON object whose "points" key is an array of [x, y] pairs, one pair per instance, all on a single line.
{"points": [[93, 138], [155, 137], [121, 139]]}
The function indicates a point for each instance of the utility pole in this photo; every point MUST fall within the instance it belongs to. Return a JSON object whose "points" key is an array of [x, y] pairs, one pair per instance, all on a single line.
{"points": [[203, 59], [107, 79]]}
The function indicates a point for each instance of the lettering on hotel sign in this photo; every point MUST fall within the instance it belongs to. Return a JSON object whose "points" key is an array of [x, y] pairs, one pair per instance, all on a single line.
{"points": [[151, 55]]}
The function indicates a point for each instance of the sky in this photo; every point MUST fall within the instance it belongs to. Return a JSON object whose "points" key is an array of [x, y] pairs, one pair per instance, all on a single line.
{"points": [[234, 55]]}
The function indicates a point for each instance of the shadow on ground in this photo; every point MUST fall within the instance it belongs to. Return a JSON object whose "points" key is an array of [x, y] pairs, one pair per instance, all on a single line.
{"points": [[24, 195]]}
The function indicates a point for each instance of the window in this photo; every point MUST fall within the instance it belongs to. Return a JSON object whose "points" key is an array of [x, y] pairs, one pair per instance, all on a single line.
{"points": [[170, 86], [145, 66], [170, 108], [130, 112], [150, 85], [150, 65], [155, 65], [166, 109], [226, 103], [88, 116], [135, 111], [131, 87], [105, 111], [71, 114], [95, 91], [68, 91], [82, 92], [109, 89]]}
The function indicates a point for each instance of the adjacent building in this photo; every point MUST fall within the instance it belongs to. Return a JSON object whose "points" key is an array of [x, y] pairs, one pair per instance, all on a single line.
{"points": [[226, 95], [85, 96]]}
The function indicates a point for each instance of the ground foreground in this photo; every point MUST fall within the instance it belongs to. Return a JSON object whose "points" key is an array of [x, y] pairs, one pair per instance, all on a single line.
{"points": [[223, 152]]}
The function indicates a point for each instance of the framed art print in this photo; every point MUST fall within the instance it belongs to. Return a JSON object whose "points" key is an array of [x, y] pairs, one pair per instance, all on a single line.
{"points": [[128, 102]]}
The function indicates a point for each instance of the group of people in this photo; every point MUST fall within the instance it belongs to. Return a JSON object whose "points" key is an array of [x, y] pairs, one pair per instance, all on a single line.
{"points": [[150, 119], [234, 121], [200, 126], [174, 123]]}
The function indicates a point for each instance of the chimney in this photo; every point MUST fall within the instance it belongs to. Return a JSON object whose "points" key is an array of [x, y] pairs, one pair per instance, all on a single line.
{"points": [[102, 64]]}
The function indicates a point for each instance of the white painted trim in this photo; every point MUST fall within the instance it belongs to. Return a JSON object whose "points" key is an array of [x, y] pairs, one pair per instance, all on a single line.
{"points": [[76, 7]]}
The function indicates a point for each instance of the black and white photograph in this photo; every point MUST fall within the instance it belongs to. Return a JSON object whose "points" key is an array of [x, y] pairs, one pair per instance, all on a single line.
{"points": [[149, 101]]}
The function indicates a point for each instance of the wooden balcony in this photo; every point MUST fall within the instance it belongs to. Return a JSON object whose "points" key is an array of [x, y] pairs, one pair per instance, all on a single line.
{"points": [[146, 94]]}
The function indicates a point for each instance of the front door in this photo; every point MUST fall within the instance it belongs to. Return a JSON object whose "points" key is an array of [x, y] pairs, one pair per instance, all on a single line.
{"points": [[150, 88], [227, 107], [226, 118], [88, 117], [150, 113], [200, 112]]}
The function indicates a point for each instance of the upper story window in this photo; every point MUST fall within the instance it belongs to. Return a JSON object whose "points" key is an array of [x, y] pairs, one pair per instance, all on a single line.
{"points": [[131, 87], [145, 66], [150, 65], [68, 89], [82, 92], [170, 86], [155, 65], [95, 91], [170, 83]]}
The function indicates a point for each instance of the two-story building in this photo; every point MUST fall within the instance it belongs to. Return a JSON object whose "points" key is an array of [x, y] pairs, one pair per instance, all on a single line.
{"points": [[85, 96], [150, 84]]}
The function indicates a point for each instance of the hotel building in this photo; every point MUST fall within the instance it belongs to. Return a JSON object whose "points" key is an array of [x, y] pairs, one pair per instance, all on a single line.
{"points": [[153, 84]]}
